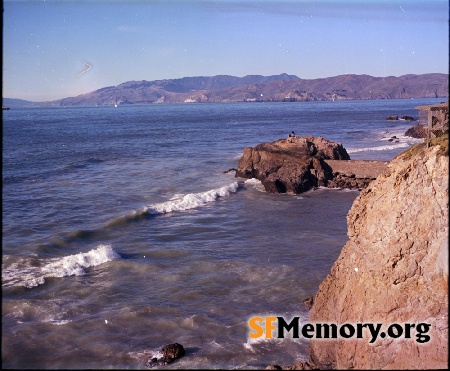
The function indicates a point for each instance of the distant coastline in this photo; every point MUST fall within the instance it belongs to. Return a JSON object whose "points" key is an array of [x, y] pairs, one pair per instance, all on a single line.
{"points": [[255, 88]]}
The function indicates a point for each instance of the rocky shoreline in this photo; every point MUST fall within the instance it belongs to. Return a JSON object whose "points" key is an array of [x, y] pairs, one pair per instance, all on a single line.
{"points": [[393, 269], [299, 164]]}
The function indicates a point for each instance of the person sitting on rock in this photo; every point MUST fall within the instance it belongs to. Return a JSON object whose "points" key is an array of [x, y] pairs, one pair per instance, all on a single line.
{"points": [[291, 135]]}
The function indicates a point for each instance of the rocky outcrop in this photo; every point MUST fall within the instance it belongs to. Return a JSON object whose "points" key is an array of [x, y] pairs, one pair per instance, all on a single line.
{"points": [[404, 118], [298, 164], [407, 118], [417, 131], [392, 118], [348, 181], [354, 173], [391, 269], [293, 165]]}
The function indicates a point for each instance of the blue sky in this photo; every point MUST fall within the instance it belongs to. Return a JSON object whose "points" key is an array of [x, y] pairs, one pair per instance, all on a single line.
{"points": [[46, 42]]}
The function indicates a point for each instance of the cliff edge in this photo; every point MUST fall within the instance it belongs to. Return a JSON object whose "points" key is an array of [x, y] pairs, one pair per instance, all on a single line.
{"points": [[391, 271]]}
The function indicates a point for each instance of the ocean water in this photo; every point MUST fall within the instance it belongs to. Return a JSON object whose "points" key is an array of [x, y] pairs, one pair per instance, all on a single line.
{"points": [[122, 233]]}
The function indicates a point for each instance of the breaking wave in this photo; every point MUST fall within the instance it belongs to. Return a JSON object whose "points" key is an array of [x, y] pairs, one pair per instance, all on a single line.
{"points": [[29, 275], [379, 148], [177, 203], [191, 201]]}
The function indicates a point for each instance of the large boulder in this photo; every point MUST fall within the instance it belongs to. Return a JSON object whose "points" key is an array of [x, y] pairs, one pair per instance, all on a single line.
{"points": [[292, 165], [172, 352], [168, 354]]}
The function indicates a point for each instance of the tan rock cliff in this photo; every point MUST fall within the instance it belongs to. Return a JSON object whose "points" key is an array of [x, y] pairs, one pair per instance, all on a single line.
{"points": [[389, 271]]}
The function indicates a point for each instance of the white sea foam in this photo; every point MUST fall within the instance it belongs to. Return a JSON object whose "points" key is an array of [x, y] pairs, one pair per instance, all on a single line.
{"points": [[379, 148], [256, 184], [59, 322], [238, 156], [253, 343], [402, 139], [253, 181], [191, 200], [73, 265], [326, 189]]}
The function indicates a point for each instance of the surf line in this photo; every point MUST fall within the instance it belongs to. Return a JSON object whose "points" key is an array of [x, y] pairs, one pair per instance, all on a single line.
{"points": [[187, 202]]}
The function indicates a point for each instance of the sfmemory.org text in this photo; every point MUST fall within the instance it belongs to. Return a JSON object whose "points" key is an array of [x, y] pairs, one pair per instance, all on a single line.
{"points": [[268, 326]]}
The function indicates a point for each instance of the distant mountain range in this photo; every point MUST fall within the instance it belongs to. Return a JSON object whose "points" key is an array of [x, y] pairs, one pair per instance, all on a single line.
{"points": [[256, 88]]}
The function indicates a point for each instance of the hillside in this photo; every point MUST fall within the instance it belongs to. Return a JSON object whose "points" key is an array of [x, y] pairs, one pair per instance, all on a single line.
{"points": [[256, 88], [11, 102]]}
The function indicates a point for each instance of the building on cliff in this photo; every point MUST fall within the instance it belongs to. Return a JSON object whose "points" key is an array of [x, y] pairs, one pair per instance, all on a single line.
{"points": [[435, 117]]}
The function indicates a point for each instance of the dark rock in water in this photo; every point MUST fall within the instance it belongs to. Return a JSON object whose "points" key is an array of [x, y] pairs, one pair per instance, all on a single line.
{"points": [[392, 118], [392, 139], [302, 366], [408, 118], [153, 361], [172, 352], [294, 165], [273, 367], [417, 131], [309, 301], [169, 353]]}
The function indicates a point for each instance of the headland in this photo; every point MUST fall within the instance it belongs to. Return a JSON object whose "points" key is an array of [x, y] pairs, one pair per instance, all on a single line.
{"points": [[393, 270]]}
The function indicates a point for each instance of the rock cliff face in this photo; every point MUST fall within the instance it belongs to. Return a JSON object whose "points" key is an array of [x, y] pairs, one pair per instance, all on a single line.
{"points": [[388, 271]]}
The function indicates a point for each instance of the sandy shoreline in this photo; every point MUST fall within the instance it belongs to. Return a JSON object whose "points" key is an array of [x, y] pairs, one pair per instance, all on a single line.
{"points": [[361, 168]]}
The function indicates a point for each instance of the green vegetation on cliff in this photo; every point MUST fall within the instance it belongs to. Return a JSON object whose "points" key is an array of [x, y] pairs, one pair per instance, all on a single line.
{"points": [[442, 142]]}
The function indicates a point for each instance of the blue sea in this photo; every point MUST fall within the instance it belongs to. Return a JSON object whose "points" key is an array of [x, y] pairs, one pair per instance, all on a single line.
{"points": [[122, 233]]}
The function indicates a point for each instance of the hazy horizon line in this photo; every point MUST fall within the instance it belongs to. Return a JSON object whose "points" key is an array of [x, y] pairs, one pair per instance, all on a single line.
{"points": [[205, 76]]}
